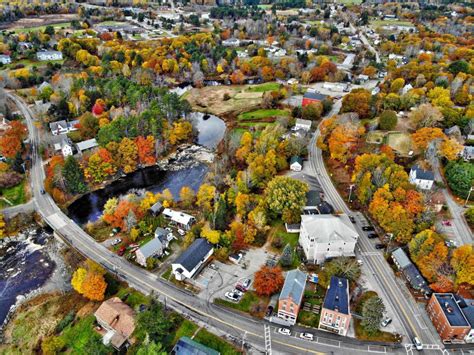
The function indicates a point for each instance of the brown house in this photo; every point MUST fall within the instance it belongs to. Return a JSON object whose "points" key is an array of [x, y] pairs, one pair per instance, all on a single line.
{"points": [[117, 321], [291, 296], [447, 317]]}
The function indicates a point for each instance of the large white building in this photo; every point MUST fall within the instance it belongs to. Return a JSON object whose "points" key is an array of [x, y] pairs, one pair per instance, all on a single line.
{"points": [[191, 260], [49, 55], [327, 236], [422, 178]]}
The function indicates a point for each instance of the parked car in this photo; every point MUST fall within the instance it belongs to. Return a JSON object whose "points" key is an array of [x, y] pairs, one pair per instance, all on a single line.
{"points": [[42, 191], [181, 232], [246, 283], [386, 322], [353, 220], [417, 343], [232, 296], [168, 229], [379, 246], [306, 336], [269, 311], [446, 223], [284, 331], [237, 292], [368, 228], [121, 251], [116, 241], [372, 235]]}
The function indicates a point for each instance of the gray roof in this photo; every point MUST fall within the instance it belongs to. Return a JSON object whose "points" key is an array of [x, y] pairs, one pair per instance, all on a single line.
{"points": [[401, 257], [422, 174], [187, 346], [313, 198], [326, 228], [151, 247], [295, 282], [337, 295], [161, 233], [451, 309], [314, 96], [194, 254], [467, 306], [415, 278], [55, 125], [88, 144], [156, 207]]}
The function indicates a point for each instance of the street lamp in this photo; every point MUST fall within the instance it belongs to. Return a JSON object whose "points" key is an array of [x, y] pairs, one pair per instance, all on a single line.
{"points": [[468, 195]]}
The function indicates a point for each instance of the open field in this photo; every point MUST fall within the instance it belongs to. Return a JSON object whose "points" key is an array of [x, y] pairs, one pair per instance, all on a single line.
{"points": [[13, 196], [39, 23], [263, 113], [379, 23], [250, 303], [400, 142], [27, 63], [264, 87]]}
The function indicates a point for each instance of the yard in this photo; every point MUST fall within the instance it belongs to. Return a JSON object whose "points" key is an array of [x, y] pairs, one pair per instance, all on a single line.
{"points": [[400, 142], [264, 87], [280, 238], [378, 23], [262, 113], [56, 26], [311, 306], [250, 303], [13, 196], [80, 333]]}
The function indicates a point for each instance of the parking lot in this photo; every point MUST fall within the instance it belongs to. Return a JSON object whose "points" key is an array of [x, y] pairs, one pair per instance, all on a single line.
{"points": [[217, 278]]}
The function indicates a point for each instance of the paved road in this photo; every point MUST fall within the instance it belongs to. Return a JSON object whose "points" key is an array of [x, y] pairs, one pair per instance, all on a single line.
{"points": [[25, 207], [182, 301], [408, 313]]}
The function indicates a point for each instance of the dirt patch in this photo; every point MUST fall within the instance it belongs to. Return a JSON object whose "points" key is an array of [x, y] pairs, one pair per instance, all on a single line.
{"points": [[400, 142], [43, 20]]}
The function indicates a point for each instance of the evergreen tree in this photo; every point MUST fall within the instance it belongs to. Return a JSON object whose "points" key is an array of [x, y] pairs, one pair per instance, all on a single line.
{"points": [[372, 313], [74, 176], [220, 215], [286, 258]]}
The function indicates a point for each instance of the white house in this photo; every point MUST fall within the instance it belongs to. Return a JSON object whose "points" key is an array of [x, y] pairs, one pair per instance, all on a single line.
{"points": [[189, 262], [64, 146], [154, 247], [231, 42], [468, 153], [296, 163], [59, 127], [422, 178], [327, 236], [183, 220], [49, 55], [86, 145], [304, 125], [5, 59]]}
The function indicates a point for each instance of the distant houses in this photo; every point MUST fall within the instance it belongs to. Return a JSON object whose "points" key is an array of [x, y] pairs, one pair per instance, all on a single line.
{"points": [[64, 146], [422, 178], [59, 127], [312, 97], [189, 262], [291, 296], [327, 236], [409, 270], [335, 313], [86, 145], [49, 55], [296, 163], [117, 321], [5, 59]]}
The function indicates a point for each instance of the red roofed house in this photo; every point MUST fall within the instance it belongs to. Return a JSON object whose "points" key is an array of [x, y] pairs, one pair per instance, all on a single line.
{"points": [[117, 320], [312, 97]]}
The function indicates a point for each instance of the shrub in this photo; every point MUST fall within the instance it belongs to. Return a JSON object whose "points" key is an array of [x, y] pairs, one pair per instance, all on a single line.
{"points": [[9, 179], [65, 322], [388, 120]]}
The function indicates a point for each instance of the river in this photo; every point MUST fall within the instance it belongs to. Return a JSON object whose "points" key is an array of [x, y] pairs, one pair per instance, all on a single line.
{"points": [[211, 129]]}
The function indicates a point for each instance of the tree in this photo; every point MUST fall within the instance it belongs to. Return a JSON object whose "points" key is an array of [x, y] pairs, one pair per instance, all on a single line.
{"points": [[341, 267], [2, 226], [154, 323], [146, 150], [460, 177], [424, 136], [187, 196], [459, 66], [397, 85], [181, 131], [358, 101], [313, 111], [74, 176], [128, 153], [450, 148], [77, 280], [94, 286], [372, 313], [469, 215], [285, 196], [388, 120], [342, 139], [268, 280], [52, 345], [152, 348], [425, 115], [462, 262], [205, 197], [213, 236], [286, 258]]}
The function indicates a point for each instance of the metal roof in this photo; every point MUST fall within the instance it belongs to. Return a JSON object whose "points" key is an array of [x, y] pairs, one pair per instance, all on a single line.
{"points": [[187, 346], [294, 285], [88, 144], [337, 295], [326, 228], [402, 259], [422, 174], [451, 310], [314, 96], [151, 247], [194, 254]]}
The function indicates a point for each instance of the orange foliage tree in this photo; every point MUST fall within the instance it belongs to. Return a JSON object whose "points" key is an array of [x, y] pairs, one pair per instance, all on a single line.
{"points": [[146, 149], [268, 280]]}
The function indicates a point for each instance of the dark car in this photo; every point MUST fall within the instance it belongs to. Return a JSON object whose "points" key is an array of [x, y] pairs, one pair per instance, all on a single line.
{"points": [[372, 235], [368, 228], [269, 311], [352, 219], [121, 251], [379, 246], [42, 191]]}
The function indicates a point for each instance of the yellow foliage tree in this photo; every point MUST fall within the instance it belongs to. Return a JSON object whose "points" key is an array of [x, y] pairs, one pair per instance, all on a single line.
{"points": [[211, 235], [77, 280], [450, 148]]}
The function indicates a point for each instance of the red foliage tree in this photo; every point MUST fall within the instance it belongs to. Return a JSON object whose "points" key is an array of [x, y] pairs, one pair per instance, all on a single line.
{"points": [[268, 280]]}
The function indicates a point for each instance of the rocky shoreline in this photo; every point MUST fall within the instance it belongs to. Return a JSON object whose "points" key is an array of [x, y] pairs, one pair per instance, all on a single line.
{"points": [[186, 156]]}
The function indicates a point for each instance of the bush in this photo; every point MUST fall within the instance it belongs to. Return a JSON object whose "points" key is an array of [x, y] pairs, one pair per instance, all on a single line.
{"points": [[388, 120], [65, 322], [460, 176], [277, 242], [226, 97], [10, 179], [470, 216]]}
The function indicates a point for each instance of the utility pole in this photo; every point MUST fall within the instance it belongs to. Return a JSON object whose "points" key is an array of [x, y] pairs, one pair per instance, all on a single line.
{"points": [[268, 340], [468, 196], [350, 192]]}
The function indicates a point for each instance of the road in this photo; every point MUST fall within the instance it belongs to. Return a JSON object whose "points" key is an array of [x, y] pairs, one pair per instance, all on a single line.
{"points": [[366, 42], [212, 316], [409, 314]]}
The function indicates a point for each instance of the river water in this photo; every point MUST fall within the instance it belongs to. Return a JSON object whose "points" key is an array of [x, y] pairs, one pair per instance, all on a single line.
{"points": [[24, 267], [211, 129]]}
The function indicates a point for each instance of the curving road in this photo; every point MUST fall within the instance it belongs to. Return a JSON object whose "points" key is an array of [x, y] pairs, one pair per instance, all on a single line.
{"points": [[214, 317]]}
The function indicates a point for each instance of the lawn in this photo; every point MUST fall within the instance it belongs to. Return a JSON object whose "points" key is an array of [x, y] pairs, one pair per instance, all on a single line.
{"points": [[264, 87], [186, 329], [78, 335], [13, 196], [212, 341], [378, 23], [99, 230], [279, 231], [263, 113], [400, 142], [313, 297], [42, 28], [250, 303], [132, 297], [375, 137]]}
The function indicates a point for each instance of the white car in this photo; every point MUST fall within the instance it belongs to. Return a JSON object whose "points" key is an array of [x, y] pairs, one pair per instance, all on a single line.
{"points": [[232, 296], [306, 336], [181, 232], [284, 331], [116, 241], [417, 343], [237, 292], [386, 322], [168, 229]]}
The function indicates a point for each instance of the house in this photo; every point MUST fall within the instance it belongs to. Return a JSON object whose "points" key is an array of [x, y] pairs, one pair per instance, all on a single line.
{"points": [[231, 42], [5, 59], [187, 346], [65, 147], [312, 97], [325, 236], [154, 247], [49, 55], [409, 270], [291, 295], [315, 205], [117, 321], [304, 125], [406, 88], [468, 153], [58, 127], [86, 145], [72, 125], [156, 209], [296, 163], [422, 178], [362, 78], [181, 219], [448, 318], [189, 262], [292, 81], [335, 312]]}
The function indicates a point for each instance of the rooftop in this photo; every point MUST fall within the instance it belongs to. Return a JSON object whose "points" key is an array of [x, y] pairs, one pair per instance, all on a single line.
{"points": [[150, 248], [326, 228], [187, 346], [314, 96], [178, 217], [313, 198], [401, 257], [118, 316], [87, 144], [194, 254], [293, 287], [296, 159], [422, 174], [337, 295], [451, 309]]}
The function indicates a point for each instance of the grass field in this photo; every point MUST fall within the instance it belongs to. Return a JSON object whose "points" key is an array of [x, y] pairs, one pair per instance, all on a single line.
{"points": [[400, 142], [379, 23], [212, 341], [263, 113], [250, 303], [31, 63], [42, 28], [78, 335], [264, 87], [15, 195]]}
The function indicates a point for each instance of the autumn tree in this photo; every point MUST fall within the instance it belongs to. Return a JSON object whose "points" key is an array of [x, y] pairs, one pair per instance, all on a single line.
{"points": [[342, 140], [128, 155], [388, 120], [74, 176], [94, 286], [187, 196], [425, 115], [12, 138], [358, 100], [462, 261], [286, 197], [213, 236], [98, 166], [268, 280], [205, 197], [313, 111], [180, 131], [146, 150], [450, 148], [424, 136], [372, 314]]}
